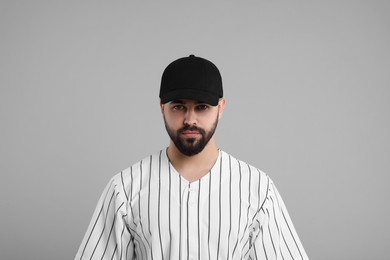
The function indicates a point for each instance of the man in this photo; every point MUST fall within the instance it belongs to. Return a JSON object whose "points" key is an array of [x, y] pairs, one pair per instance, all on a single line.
{"points": [[191, 200]]}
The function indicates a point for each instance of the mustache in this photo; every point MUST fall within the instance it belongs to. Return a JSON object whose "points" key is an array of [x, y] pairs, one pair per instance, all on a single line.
{"points": [[191, 128]]}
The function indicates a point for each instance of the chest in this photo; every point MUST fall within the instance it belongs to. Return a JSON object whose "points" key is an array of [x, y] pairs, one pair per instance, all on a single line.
{"points": [[213, 216]]}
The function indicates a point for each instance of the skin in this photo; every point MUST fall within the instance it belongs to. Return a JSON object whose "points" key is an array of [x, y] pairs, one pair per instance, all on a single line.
{"points": [[181, 113]]}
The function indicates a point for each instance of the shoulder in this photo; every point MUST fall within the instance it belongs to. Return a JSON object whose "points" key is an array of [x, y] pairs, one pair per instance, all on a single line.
{"points": [[247, 174], [242, 166], [132, 173]]}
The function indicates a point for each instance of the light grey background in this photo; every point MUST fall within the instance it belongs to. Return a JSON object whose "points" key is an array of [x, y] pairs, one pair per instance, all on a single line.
{"points": [[307, 88]]}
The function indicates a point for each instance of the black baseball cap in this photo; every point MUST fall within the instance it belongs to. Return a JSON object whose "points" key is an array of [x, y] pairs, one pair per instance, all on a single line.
{"points": [[192, 78]]}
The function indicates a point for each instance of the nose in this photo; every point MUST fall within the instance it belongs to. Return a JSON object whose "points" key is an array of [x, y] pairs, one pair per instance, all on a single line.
{"points": [[190, 117]]}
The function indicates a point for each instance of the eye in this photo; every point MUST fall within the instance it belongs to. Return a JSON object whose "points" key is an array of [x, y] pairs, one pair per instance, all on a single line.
{"points": [[202, 107], [178, 107]]}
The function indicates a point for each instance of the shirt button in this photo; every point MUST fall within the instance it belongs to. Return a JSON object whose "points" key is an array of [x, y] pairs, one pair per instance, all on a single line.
{"points": [[192, 202]]}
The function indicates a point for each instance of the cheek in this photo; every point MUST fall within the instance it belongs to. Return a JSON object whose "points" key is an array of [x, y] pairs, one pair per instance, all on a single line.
{"points": [[208, 121], [175, 116], [172, 120]]}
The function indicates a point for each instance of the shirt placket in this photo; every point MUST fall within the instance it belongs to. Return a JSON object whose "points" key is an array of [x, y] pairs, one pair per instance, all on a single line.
{"points": [[190, 224]]}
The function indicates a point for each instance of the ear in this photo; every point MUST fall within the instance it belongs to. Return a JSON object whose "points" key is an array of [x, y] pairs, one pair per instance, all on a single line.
{"points": [[221, 107], [162, 107]]}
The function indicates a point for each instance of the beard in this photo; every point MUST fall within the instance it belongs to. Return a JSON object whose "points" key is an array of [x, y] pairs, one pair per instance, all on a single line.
{"points": [[191, 146]]}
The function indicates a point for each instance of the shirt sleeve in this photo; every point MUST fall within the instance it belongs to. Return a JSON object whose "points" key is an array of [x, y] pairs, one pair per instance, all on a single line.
{"points": [[274, 236], [108, 235]]}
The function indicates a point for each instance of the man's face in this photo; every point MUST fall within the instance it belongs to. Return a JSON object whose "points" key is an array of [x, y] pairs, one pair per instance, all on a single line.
{"points": [[190, 124]]}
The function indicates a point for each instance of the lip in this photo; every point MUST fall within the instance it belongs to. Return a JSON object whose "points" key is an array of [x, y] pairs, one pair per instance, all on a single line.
{"points": [[190, 133]]}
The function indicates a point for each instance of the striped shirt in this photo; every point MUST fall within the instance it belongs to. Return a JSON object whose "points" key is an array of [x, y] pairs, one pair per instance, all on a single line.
{"points": [[149, 211]]}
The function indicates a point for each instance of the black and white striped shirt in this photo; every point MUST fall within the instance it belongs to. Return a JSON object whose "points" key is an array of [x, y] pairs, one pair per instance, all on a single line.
{"points": [[149, 211]]}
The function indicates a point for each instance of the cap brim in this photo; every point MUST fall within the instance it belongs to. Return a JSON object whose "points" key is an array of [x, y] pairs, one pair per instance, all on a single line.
{"points": [[192, 95]]}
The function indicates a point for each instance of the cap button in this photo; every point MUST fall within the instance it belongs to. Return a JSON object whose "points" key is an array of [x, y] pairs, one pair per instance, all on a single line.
{"points": [[192, 55]]}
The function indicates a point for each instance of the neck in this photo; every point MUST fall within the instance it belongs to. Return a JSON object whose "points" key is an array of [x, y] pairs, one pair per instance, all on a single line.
{"points": [[193, 167]]}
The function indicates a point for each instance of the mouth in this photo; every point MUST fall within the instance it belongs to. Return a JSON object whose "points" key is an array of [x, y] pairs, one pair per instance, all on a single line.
{"points": [[190, 134]]}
